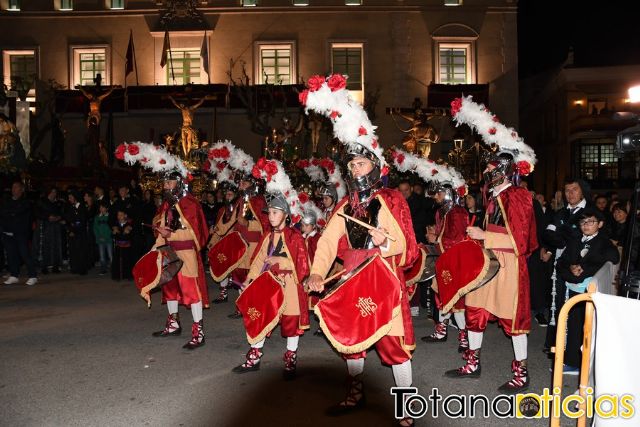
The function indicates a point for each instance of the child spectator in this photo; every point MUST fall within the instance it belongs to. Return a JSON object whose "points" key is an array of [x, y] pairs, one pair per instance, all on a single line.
{"points": [[102, 231], [580, 261]]}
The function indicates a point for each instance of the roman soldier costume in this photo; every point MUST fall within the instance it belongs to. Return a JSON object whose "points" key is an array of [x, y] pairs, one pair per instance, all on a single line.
{"points": [[510, 232], [183, 215], [182, 233], [282, 256], [386, 213]]}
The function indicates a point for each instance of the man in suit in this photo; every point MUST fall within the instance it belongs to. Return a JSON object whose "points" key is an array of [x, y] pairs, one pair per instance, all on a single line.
{"points": [[561, 230]]}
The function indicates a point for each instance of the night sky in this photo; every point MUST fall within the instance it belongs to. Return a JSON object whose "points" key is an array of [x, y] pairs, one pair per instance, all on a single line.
{"points": [[601, 33]]}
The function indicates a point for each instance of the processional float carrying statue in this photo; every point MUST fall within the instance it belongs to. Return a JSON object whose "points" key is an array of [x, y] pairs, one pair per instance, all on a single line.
{"points": [[188, 135], [421, 134]]}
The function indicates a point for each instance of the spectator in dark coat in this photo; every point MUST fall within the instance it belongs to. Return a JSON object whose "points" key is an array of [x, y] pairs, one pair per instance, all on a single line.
{"points": [[16, 217]]}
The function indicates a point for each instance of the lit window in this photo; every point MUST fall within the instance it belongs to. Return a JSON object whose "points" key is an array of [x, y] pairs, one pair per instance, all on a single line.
{"points": [[186, 66], [249, 2], [66, 4], [347, 59], [301, 2], [353, 2], [597, 160], [454, 63], [88, 62], [276, 64], [453, 2], [20, 72], [14, 5], [117, 4], [91, 64]]}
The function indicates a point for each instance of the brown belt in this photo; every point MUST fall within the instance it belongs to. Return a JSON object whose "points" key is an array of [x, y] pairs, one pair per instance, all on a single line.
{"points": [[182, 245]]}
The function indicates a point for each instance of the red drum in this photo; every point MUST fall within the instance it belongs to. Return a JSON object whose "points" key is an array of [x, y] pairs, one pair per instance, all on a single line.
{"points": [[461, 269], [154, 269], [226, 255], [261, 305], [359, 310]]}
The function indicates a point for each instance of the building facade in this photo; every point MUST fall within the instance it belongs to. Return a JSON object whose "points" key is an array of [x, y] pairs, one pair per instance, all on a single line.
{"points": [[570, 116], [393, 50]]}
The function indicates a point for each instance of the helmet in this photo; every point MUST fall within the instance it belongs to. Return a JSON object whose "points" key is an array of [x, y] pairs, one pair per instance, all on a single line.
{"points": [[362, 187], [254, 187], [309, 218], [278, 201], [179, 191], [451, 196], [504, 167], [329, 190]]}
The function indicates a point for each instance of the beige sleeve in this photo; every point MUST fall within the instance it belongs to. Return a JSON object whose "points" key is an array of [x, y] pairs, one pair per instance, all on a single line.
{"points": [[258, 261], [254, 225], [222, 228], [389, 223], [327, 248], [497, 240]]}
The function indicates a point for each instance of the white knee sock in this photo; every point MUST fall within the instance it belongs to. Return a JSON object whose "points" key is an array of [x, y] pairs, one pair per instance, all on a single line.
{"points": [[519, 346], [196, 312], [475, 340], [225, 282], [402, 374], [355, 366], [459, 316], [172, 306], [292, 343], [443, 317], [259, 344]]}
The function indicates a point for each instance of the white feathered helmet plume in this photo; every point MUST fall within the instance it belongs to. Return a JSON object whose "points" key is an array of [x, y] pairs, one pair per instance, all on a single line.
{"points": [[152, 157], [225, 159], [351, 125], [429, 171], [278, 185], [480, 119]]}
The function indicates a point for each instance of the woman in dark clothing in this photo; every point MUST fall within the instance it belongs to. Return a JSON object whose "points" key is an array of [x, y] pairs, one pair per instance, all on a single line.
{"points": [[76, 219], [476, 214], [620, 225], [123, 259]]}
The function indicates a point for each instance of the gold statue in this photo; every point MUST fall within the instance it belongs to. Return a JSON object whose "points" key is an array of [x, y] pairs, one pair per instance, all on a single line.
{"points": [[315, 125], [188, 134], [169, 145], [94, 105], [420, 135], [8, 137]]}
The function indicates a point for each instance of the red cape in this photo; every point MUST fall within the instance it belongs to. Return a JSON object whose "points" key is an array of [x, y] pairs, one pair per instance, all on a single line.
{"points": [[454, 227], [517, 209]]}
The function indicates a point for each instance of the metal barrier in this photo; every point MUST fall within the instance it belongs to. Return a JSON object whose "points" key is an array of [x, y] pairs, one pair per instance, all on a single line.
{"points": [[602, 282]]}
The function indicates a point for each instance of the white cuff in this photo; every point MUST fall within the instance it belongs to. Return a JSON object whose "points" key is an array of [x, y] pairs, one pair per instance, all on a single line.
{"points": [[551, 227], [385, 248]]}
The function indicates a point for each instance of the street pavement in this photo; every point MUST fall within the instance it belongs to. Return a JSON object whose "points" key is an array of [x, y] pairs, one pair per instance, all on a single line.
{"points": [[78, 351]]}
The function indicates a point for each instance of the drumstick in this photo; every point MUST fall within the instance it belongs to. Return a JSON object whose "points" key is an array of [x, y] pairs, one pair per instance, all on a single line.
{"points": [[335, 276], [473, 221], [365, 225]]}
